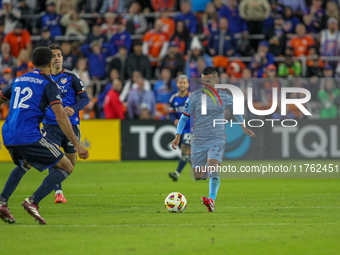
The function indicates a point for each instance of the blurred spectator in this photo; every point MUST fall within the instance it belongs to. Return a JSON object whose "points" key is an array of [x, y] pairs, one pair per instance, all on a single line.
{"points": [[46, 38], [297, 6], [173, 60], [96, 34], [181, 37], [81, 70], [315, 17], [9, 15], [138, 62], [222, 42], [270, 83], [132, 84], [332, 10], [116, 6], [254, 12], [231, 12], [4, 108], [276, 36], [276, 9], [165, 87], [261, 59], [277, 114], [314, 66], [210, 19], [160, 5], [22, 63], [64, 6], [330, 40], [168, 23], [74, 25], [6, 60], [120, 38], [290, 68], [96, 53], [70, 59], [187, 16], [197, 59], [109, 28], [91, 6], [218, 4], [301, 41], [19, 39], [114, 75], [328, 98], [119, 62], [51, 19], [291, 20], [135, 22], [247, 82], [139, 97], [25, 6], [7, 75], [145, 113], [327, 71], [113, 108], [155, 43]]}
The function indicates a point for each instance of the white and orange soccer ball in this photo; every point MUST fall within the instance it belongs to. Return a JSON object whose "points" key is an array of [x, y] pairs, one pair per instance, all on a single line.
{"points": [[175, 202]]}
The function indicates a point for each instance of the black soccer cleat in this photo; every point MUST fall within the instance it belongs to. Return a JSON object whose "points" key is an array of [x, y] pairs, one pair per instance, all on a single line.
{"points": [[173, 176]]}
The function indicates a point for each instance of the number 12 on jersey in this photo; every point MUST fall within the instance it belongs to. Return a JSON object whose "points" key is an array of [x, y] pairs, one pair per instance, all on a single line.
{"points": [[29, 93]]}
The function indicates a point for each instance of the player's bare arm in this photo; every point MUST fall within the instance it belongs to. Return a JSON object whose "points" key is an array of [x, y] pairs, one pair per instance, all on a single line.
{"points": [[69, 111], [66, 127], [248, 131]]}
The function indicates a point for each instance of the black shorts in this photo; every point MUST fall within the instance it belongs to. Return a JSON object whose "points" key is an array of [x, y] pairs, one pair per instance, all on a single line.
{"points": [[185, 139], [57, 136], [41, 154]]}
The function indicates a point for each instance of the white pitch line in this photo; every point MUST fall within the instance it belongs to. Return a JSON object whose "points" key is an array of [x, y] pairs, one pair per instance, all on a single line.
{"points": [[176, 225]]}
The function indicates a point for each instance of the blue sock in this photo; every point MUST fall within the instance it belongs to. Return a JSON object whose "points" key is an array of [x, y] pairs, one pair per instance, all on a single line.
{"points": [[49, 184], [12, 183], [58, 187], [182, 162], [214, 184]]}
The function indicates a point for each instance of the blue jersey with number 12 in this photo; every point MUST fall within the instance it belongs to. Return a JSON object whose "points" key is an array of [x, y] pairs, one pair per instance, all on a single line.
{"points": [[30, 94], [177, 106]]}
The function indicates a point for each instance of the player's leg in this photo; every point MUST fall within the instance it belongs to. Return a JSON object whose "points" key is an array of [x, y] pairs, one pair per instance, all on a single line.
{"points": [[11, 184], [55, 135], [42, 155], [215, 157], [198, 160], [182, 162]]}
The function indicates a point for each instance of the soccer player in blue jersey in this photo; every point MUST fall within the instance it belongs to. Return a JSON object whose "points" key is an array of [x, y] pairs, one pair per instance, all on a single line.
{"points": [[74, 100], [208, 142], [177, 102], [30, 95]]}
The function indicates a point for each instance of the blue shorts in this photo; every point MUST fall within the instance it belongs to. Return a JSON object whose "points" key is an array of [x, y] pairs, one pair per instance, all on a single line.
{"points": [[185, 139], [57, 136], [41, 155], [201, 154]]}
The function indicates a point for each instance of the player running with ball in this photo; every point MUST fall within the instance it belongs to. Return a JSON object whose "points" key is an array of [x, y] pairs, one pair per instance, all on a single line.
{"points": [[74, 100], [208, 143]]}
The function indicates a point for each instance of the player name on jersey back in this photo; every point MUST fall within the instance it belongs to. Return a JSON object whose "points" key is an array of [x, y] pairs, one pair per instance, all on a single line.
{"points": [[29, 79]]}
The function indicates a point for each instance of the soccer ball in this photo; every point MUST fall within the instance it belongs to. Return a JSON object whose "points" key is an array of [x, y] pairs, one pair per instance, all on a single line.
{"points": [[175, 202]]}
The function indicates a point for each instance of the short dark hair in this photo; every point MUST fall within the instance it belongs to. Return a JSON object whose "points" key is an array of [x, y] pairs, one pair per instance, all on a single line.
{"points": [[137, 42], [210, 70], [123, 47], [55, 46], [41, 57]]}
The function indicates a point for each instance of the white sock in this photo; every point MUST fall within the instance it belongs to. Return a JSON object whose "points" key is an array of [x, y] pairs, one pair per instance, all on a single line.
{"points": [[59, 192]]}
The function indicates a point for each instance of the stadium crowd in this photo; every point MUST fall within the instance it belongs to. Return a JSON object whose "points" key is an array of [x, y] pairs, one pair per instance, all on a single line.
{"points": [[128, 53]]}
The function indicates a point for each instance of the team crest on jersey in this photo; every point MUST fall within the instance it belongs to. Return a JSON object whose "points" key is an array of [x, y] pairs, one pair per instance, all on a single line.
{"points": [[63, 80]]}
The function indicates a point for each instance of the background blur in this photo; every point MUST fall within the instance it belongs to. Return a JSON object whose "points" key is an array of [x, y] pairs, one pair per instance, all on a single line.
{"points": [[119, 46]]}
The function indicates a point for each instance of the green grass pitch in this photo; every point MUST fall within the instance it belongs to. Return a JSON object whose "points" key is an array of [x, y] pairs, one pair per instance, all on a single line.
{"points": [[118, 208]]}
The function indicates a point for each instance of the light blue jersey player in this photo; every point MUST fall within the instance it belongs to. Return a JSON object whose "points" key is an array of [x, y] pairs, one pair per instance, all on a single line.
{"points": [[208, 143], [177, 102]]}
